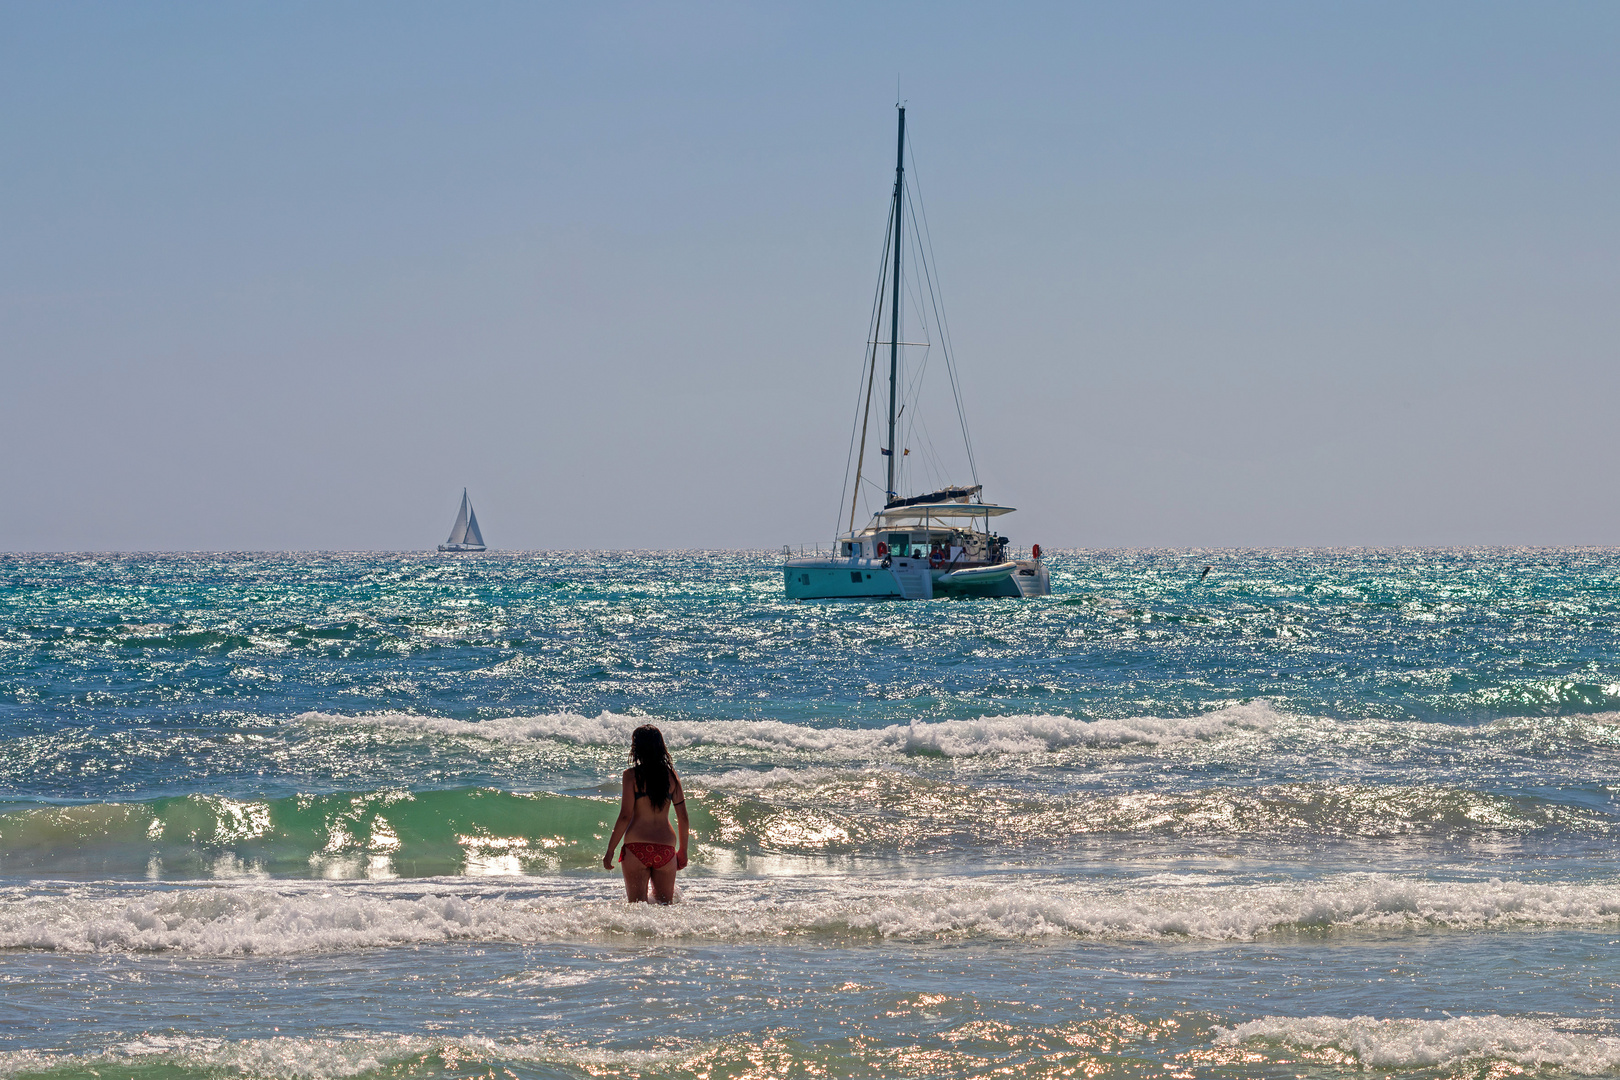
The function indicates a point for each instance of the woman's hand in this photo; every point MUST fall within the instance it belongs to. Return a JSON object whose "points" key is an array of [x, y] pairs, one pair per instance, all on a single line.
{"points": [[680, 859], [607, 861]]}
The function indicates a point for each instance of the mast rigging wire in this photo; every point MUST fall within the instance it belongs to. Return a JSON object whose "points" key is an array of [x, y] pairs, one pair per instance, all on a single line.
{"points": [[929, 459], [925, 235], [873, 326]]}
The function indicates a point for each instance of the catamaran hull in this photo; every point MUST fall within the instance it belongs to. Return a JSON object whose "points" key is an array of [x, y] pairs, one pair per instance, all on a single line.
{"points": [[857, 579], [461, 547], [909, 579]]}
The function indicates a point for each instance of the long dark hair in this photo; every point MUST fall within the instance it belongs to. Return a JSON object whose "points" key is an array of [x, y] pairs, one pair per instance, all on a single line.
{"points": [[654, 769]]}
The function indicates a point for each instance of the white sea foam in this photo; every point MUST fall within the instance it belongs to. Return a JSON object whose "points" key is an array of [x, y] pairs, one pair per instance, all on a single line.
{"points": [[948, 738], [1363, 1040], [326, 1058], [761, 780], [1402, 1043], [256, 919]]}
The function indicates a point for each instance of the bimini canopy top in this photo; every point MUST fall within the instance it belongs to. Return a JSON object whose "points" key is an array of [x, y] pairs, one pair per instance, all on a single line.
{"points": [[941, 510], [950, 494]]}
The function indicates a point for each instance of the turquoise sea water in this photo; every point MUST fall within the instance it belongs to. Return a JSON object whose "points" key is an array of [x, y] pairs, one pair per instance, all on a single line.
{"points": [[342, 815]]}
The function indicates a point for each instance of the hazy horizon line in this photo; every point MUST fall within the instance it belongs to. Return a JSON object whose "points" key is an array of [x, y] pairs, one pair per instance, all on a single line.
{"points": [[1050, 549]]}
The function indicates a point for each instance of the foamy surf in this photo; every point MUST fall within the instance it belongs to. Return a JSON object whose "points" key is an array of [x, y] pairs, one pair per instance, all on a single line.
{"points": [[250, 919], [1362, 1042], [1409, 1043], [294, 1058]]}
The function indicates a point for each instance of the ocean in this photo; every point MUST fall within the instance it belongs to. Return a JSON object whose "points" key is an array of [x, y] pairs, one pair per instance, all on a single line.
{"points": [[342, 815]]}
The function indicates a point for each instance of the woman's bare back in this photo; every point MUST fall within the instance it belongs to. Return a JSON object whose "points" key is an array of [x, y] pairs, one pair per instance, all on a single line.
{"points": [[649, 824]]}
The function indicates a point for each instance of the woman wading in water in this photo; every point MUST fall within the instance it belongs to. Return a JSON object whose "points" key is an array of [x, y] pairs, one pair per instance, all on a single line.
{"points": [[650, 856]]}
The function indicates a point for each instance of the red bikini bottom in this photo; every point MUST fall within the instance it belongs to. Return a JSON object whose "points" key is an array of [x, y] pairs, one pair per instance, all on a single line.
{"points": [[652, 856]]}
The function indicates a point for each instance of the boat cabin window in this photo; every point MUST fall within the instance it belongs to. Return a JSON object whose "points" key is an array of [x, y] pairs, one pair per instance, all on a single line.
{"points": [[852, 548], [900, 544]]}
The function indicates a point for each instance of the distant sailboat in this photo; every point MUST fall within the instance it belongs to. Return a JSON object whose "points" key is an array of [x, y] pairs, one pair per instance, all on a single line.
{"points": [[464, 534]]}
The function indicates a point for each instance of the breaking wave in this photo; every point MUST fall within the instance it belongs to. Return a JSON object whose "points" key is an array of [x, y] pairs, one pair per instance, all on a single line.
{"points": [[321, 1058], [881, 810], [1392, 1044], [870, 813], [989, 735], [247, 919]]}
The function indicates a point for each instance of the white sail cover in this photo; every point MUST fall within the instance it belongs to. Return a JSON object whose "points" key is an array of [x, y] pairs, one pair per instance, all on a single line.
{"points": [[473, 536]]}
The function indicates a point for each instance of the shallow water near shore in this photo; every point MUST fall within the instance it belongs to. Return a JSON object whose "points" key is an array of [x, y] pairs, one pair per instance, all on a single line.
{"points": [[342, 815]]}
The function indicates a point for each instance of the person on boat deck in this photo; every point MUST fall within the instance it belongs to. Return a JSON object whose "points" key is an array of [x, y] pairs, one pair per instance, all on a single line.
{"points": [[651, 855]]}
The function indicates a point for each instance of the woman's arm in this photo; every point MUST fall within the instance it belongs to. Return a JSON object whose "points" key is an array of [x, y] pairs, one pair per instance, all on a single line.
{"points": [[627, 813], [679, 797]]}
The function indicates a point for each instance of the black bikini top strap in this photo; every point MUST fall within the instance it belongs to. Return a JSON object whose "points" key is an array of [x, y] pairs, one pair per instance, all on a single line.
{"points": [[641, 792]]}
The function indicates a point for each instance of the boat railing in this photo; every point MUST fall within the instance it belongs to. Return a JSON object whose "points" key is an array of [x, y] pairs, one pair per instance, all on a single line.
{"points": [[799, 551]]}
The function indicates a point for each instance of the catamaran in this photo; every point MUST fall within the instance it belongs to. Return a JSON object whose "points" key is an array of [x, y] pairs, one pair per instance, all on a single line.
{"points": [[941, 543], [464, 534]]}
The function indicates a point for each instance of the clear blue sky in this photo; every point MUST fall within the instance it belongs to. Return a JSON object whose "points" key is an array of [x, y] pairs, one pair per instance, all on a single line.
{"points": [[290, 276]]}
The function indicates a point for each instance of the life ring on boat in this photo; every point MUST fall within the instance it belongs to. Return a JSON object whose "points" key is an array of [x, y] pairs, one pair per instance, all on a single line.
{"points": [[882, 550], [935, 559], [1036, 551]]}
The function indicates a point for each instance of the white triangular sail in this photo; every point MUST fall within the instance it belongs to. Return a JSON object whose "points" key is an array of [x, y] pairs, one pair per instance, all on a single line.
{"points": [[458, 531], [474, 537]]}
